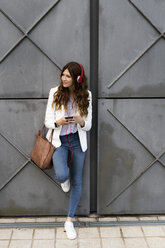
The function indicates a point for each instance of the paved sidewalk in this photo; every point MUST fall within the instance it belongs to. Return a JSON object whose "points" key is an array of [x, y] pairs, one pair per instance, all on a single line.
{"points": [[136, 236]]}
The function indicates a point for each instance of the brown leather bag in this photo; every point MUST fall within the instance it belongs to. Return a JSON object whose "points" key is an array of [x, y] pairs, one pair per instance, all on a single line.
{"points": [[43, 150]]}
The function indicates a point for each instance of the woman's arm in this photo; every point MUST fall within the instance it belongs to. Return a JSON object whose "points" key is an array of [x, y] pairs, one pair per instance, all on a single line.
{"points": [[50, 113]]}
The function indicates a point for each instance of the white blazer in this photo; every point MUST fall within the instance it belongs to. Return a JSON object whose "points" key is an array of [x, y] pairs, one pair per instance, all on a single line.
{"points": [[51, 116]]}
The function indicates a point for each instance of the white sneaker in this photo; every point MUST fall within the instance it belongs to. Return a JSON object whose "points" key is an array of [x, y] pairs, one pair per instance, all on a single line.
{"points": [[70, 231], [66, 185]]}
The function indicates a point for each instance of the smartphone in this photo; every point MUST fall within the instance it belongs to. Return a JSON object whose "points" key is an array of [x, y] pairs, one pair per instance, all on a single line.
{"points": [[68, 117]]}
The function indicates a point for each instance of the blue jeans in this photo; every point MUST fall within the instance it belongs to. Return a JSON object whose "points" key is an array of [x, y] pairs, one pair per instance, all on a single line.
{"points": [[62, 171]]}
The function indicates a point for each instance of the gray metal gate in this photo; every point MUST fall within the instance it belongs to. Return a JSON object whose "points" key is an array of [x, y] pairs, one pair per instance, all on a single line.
{"points": [[131, 137], [37, 39]]}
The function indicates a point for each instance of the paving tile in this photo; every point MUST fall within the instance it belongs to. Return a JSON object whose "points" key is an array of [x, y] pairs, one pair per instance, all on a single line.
{"points": [[128, 218], [63, 243], [163, 227], [4, 243], [107, 232], [107, 219], [5, 233], [92, 243], [25, 220], [156, 242], [43, 244], [61, 219], [161, 217], [132, 231], [44, 233], [61, 234], [148, 218], [22, 233], [20, 244], [152, 231], [88, 232], [46, 219], [135, 243], [87, 219], [93, 215], [113, 243], [7, 220]]}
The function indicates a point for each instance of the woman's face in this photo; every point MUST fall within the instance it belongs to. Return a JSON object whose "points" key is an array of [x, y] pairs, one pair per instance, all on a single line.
{"points": [[66, 79]]}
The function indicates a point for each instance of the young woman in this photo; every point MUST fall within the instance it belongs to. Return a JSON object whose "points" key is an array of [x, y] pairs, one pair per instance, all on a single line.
{"points": [[69, 113]]}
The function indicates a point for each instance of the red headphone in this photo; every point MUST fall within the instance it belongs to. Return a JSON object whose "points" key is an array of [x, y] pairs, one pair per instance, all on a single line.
{"points": [[80, 77]]}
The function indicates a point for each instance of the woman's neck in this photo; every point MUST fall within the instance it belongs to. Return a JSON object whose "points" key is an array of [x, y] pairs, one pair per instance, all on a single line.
{"points": [[71, 93]]}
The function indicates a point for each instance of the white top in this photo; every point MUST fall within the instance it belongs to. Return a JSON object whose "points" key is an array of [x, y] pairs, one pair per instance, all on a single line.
{"points": [[70, 128]]}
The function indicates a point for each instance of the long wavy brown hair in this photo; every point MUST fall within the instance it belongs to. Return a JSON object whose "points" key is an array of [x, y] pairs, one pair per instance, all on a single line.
{"points": [[80, 90]]}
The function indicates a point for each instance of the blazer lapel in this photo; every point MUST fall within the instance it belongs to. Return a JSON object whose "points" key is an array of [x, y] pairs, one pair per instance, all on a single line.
{"points": [[60, 113]]}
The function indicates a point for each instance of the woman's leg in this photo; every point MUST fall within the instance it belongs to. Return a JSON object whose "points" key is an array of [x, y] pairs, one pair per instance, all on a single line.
{"points": [[61, 170], [76, 169]]}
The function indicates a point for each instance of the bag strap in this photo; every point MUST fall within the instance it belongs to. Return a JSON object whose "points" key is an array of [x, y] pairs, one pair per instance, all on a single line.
{"points": [[51, 135], [42, 132]]}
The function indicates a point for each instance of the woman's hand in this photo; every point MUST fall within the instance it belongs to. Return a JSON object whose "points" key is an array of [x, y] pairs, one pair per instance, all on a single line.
{"points": [[62, 121], [78, 119]]}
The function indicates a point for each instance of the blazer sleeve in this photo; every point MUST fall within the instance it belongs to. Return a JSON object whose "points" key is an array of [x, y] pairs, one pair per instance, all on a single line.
{"points": [[88, 119], [50, 115]]}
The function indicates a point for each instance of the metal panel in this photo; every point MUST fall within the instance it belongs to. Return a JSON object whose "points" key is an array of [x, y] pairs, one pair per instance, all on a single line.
{"points": [[124, 36], [21, 121], [8, 157], [65, 40], [146, 78], [9, 35], [26, 13], [129, 154], [131, 150], [30, 65], [145, 196], [27, 73], [30, 193], [154, 10]]}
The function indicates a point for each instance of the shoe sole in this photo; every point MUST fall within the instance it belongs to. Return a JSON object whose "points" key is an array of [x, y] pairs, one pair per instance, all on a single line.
{"points": [[69, 237]]}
